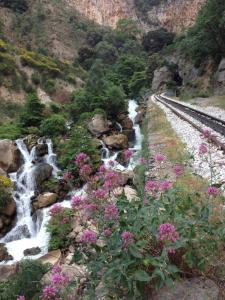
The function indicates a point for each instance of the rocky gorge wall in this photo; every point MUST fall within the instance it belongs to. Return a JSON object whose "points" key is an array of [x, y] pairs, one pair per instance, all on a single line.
{"points": [[173, 15]]}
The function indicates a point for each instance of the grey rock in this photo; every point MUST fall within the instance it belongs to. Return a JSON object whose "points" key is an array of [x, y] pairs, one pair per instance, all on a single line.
{"points": [[42, 172], [10, 158], [189, 289], [32, 251]]}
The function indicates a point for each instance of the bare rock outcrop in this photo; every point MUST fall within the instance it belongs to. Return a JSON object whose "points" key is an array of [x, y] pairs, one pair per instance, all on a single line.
{"points": [[9, 156]]}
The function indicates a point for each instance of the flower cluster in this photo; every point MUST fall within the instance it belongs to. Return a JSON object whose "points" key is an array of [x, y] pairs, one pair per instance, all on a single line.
{"points": [[21, 298], [128, 154], [111, 180], [178, 170], [212, 190], [203, 149], [107, 232], [159, 158], [127, 239], [89, 237], [165, 185], [76, 202], [85, 170], [100, 194], [153, 186], [111, 212], [81, 159], [59, 280], [67, 176], [142, 161], [55, 210], [168, 232]]}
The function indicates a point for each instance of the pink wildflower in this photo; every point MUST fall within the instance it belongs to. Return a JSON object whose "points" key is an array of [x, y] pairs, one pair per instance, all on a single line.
{"points": [[100, 194], [128, 154], [107, 232], [102, 169], [165, 185], [67, 176], [127, 239], [56, 269], [203, 148], [212, 190], [55, 210], [159, 157], [85, 170], [151, 186], [89, 237], [168, 232], [178, 170], [91, 207], [21, 298], [76, 202], [142, 161], [207, 133], [111, 212], [81, 159], [49, 292]]}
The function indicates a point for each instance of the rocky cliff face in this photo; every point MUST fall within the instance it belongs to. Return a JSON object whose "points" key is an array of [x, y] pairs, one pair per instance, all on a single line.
{"points": [[173, 15]]}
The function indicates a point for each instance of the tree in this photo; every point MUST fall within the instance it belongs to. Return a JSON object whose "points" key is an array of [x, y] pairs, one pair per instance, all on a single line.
{"points": [[154, 41], [207, 37], [128, 27], [106, 52], [33, 112], [53, 126]]}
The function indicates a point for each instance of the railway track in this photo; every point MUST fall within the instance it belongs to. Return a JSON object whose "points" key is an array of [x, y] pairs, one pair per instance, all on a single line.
{"points": [[207, 120]]}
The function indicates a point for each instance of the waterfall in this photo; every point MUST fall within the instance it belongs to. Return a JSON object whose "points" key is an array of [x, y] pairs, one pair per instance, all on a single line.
{"points": [[119, 126], [105, 151], [28, 232]]}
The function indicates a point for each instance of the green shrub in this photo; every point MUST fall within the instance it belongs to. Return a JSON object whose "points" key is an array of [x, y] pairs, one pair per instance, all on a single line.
{"points": [[49, 86], [55, 107], [53, 126], [11, 131], [36, 78], [27, 282], [5, 191], [59, 227], [33, 112]]}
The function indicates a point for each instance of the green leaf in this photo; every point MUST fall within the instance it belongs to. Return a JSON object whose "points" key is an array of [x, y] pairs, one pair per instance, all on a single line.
{"points": [[134, 251], [141, 275]]}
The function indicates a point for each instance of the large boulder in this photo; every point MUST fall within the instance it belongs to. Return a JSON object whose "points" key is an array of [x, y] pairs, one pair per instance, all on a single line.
{"points": [[125, 121], [42, 172], [161, 77], [139, 117], [45, 200], [189, 289], [116, 141], [9, 156], [8, 271], [4, 255], [41, 149], [221, 73], [31, 141], [18, 233], [32, 251], [52, 257], [98, 125], [10, 209]]}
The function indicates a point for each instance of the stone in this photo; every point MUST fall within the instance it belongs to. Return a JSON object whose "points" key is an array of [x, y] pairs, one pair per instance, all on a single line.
{"points": [[74, 271], [32, 251], [189, 289], [98, 125], [8, 271], [4, 255], [52, 257], [220, 78], [125, 177], [161, 77], [41, 149], [9, 156], [10, 208], [20, 232], [139, 117], [45, 200], [130, 133], [30, 141], [125, 121], [42, 172], [2, 172], [116, 141]]}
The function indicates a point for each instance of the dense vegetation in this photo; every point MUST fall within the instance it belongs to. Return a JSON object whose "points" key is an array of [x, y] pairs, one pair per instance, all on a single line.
{"points": [[207, 37]]}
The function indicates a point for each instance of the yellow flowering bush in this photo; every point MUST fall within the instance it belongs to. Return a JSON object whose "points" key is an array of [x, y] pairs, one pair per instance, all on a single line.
{"points": [[5, 190]]}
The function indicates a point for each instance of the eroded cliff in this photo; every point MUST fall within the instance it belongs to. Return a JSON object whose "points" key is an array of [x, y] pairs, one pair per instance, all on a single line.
{"points": [[171, 14]]}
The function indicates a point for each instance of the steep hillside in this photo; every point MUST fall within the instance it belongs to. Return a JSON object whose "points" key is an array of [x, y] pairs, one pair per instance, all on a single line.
{"points": [[51, 27], [173, 15]]}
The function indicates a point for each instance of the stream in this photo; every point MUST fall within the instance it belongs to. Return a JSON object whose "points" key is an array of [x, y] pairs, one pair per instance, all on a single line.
{"points": [[30, 231]]}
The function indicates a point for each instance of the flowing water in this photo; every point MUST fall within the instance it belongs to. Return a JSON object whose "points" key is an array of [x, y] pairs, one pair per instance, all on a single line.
{"points": [[30, 231]]}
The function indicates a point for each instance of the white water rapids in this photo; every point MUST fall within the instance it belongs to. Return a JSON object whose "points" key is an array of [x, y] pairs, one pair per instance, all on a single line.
{"points": [[31, 232]]}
